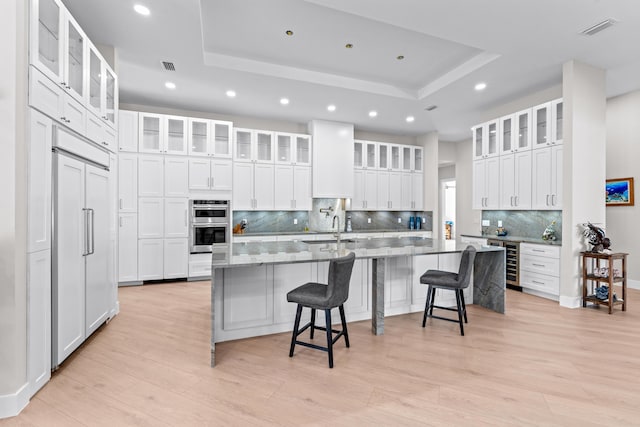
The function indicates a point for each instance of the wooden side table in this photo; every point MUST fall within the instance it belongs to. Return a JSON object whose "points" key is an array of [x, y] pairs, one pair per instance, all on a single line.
{"points": [[592, 263]]}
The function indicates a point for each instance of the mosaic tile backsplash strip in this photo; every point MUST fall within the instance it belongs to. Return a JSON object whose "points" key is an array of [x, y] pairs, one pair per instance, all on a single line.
{"points": [[529, 224]]}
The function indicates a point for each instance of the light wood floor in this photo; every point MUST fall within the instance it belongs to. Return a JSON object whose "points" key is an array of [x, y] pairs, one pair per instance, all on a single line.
{"points": [[539, 364]]}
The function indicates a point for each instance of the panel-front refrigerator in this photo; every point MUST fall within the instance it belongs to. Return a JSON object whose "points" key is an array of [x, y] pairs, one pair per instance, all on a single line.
{"points": [[81, 297]]}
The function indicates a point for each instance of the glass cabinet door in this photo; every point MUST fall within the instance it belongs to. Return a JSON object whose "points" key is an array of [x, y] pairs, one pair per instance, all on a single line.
{"points": [[395, 157], [556, 121], [176, 136], [523, 127], [284, 148], [111, 92], [199, 137], [222, 138], [370, 155], [417, 159], [242, 141], [507, 141], [541, 131], [383, 156], [492, 138], [358, 154], [406, 159], [264, 146], [150, 129], [303, 150], [74, 60], [478, 141], [95, 81], [47, 36]]}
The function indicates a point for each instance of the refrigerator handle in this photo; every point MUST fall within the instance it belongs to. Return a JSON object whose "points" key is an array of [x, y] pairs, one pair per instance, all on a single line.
{"points": [[92, 234], [85, 214]]}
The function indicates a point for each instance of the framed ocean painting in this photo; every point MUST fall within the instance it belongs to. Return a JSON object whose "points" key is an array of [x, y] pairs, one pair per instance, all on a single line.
{"points": [[620, 192]]}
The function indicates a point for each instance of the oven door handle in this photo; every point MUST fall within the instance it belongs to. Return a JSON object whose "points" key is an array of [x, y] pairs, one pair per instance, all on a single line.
{"points": [[210, 224]]}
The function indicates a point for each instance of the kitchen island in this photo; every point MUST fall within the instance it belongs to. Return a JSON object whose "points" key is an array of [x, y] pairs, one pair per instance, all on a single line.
{"points": [[249, 282]]}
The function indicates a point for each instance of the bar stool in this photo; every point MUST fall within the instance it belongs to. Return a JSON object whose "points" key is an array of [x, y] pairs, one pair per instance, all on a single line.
{"points": [[453, 281], [318, 296]]}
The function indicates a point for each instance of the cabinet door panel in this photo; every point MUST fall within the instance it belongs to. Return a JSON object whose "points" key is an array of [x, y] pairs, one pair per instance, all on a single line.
{"points": [[45, 95], [357, 202], [479, 179], [418, 191], [39, 182], [128, 247], [176, 177], [221, 175], [507, 181], [248, 297], [301, 188], [263, 187], [242, 186], [176, 221], [556, 177], [151, 217], [493, 183], [150, 259], [128, 182], [128, 131], [176, 258], [541, 178], [39, 291], [383, 190], [283, 182], [371, 189], [74, 115], [407, 193], [523, 180], [199, 174], [150, 176]]}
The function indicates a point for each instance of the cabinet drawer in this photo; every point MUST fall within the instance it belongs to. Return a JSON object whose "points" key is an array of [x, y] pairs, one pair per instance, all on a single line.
{"points": [[540, 250], [540, 282], [538, 264]]}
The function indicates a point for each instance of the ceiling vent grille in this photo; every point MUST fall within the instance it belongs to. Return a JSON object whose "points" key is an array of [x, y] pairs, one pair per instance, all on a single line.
{"points": [[431, 107], [168, 66], [599, 27]]}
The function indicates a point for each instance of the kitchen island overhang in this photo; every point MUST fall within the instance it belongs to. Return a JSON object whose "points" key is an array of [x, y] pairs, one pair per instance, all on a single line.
{"points": [[489, 283]]}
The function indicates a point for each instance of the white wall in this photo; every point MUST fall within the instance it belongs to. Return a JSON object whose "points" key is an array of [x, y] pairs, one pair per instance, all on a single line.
{"points": [[13, 315], [623, 152]]}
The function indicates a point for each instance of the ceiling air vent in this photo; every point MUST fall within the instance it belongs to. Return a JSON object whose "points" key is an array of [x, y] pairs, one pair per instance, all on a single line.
{"points": [[599, 27], [168, 66], [431, 107]]}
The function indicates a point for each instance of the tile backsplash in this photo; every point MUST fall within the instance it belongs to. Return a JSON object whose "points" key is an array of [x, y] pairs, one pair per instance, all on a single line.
{"points": [[529, 224]]}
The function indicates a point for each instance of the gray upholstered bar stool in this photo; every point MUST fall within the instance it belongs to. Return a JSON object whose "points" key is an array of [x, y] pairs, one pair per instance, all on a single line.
{"points": [[454, 281], [318, 296]]}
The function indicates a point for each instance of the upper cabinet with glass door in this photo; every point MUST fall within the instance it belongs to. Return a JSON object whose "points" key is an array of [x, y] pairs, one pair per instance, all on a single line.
{"points": [[365, 154], [547, 124], [162, 134], [102, 87], [209, 137], [302, 154], [293, 149], [384, 156], [396, 157], [485, 140], [556, 121], [523, 128], [253, 146], [417, 163]]}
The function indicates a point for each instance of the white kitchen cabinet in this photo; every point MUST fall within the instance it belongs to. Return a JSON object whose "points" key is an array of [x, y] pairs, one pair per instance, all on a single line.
{"points": [[406, 199], [293, 149], [176, 258], [101, 133], [365, 154], [541, 125], [417, 163], [389, 192], [128, 183], [248, 297], [210, 174], [151, 259], [210, 138], [540, 268], [546, 180], [515, 181], [127, 247], [486, 183], [176, 220], [556, 121], [508, 136], [150, 176], [101, 87], [253, 186], [383, 156], [396, 157], [255, 146], [150, 217], [293, 184], [332, 159], [485, 140], [417, 191], [39, 324], [128, 131], [365, 193], [49, 98], [382, 193], [176, 177], [159, 133], [39, 182], [406, 153], [523, 128]]}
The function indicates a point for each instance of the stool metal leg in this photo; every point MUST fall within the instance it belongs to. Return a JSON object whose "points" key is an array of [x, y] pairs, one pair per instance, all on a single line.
{"points": [[344, 325], [294, 334], [313, 322], [433, 300], [426, 307], [327, 316], [458, 301], [464, 306]]}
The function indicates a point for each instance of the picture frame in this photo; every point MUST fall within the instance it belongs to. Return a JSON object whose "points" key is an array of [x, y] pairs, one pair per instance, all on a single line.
{"points": [[619, 192]]}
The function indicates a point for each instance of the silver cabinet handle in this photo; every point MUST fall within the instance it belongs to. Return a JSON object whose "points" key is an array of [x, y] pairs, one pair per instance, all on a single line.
{"points": [[120, 219], [85, 214], [553, 200], [538, 283], [547, 203], [538, 265], [93, 229], [120, 203], [515, 198]]}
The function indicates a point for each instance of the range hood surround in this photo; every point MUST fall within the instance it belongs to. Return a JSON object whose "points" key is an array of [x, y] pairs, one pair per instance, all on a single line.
{"points": [[332, 159]]}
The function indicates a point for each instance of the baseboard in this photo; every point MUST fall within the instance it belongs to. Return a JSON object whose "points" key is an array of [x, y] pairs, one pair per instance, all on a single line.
{"points": [[570, 302], [12, 404], [540, 294], [633, 284]]}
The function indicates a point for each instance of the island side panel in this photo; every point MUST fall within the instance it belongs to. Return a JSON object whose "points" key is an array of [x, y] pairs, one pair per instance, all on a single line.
{"points": [[216, 278], [489, 281], [377, 295]]}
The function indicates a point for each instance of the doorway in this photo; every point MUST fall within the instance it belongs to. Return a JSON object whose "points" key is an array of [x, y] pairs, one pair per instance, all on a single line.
{"points": [[448, 208]]}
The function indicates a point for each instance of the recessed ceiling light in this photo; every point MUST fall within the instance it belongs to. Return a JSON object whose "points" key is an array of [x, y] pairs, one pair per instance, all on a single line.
{"points": [[410, 119], [373, 113], [170, 85], [400, 57], [348, 45], [284, 101], [331, 108], [480, 86], [231, 93], [142, 10], [289, 32]]}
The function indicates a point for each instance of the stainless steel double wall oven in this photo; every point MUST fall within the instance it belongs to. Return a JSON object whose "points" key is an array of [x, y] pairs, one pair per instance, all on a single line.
{"points": [[209, 229]]}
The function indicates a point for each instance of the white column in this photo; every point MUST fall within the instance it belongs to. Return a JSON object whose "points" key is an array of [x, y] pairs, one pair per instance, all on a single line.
{"points": [[429, 142], [584, 168]]}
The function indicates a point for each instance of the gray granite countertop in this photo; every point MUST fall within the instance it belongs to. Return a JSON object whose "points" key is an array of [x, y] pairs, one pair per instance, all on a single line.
{"points": [[519, 239], [256, 253], [344, 233]]}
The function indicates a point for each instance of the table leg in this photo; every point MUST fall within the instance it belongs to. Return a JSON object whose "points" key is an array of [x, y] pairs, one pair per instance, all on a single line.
{"points": [[377, 295]]}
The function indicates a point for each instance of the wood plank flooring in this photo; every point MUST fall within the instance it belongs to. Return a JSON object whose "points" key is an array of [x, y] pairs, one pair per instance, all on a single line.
{"points": [[539, 364]]}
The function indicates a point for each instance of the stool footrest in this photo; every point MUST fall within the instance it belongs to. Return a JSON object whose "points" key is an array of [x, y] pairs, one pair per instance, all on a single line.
{"points": [[443, 318], [445, 308]]}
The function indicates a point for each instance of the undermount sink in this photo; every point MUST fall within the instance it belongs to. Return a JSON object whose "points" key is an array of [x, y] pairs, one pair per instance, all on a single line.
{"points": [[323, 242]]}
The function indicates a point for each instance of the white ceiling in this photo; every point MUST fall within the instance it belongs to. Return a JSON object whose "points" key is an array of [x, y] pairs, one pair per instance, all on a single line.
{"points": [[516, 47]]}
